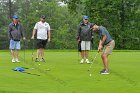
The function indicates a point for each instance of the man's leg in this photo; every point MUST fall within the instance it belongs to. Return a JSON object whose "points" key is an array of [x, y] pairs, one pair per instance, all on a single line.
{"points": [[13, 55], [82, 54], [105, 61], [42, 55], [17, 55], [107, 51], [86, 54], [42, 52], [12, 47], [38, 54], [87, 48]]}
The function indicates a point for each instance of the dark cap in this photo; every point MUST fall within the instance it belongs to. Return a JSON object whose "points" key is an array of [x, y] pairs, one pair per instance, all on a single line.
{"points": [[15, 17], [43, 16]]}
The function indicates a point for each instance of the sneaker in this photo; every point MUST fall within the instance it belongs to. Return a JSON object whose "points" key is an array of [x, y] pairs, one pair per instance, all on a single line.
{"points": [[36, 60], [82, 61], [104, 72], [42, 60], [17, 60], [13, 60], [87, 61]]}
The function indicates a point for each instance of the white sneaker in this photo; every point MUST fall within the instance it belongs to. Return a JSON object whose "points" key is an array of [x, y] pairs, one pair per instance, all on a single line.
{"points": [[82, 61], [87, 61], [17, 60], [13, 60]]}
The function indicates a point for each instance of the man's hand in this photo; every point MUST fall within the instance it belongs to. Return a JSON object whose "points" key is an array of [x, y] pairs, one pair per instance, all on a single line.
{"points": [[24, 38], [99, 48], [32, 37], [49, 39]]}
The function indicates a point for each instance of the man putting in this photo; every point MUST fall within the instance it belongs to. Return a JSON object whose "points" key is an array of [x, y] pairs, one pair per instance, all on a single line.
{"points": [[42, 29], [107, 43]]}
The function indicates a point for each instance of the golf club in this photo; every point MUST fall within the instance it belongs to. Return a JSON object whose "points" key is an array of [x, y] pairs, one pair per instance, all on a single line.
{"points": [[32, 50], [24, 49], [79, 50], [92, 63], [30, 73]]}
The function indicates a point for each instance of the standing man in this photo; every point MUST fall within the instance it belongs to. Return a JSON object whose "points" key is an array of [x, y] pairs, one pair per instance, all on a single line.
{"points": [[84, 38], [42, 29], [15, 32], [107, 43]]}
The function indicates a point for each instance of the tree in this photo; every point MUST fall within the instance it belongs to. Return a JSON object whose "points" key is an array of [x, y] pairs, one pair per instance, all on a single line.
{"points": [[118, 16]]}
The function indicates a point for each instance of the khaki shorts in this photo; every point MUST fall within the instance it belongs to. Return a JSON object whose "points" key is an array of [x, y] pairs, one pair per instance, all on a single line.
{"points": [[109, 47]]}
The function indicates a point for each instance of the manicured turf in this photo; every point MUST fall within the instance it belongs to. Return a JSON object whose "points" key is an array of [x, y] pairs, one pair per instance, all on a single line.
{"points": [[62, 73]]}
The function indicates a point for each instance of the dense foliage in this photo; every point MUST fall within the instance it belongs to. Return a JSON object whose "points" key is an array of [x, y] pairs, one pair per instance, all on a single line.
{"points": [[120, 17]]}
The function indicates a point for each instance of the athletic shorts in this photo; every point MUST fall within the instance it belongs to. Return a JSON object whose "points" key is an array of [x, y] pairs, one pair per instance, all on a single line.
{"points": [[41, 43], [85, 45], [14, 45], [109, 47]]}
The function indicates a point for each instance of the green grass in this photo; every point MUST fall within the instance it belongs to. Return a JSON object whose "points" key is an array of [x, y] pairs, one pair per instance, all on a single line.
{"points": [[66, 75]]}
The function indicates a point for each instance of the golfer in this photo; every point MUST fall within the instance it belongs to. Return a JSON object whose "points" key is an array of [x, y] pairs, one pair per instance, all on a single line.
{"points": [[84, 38], [15, 32], [107, 43], [42, 29]]}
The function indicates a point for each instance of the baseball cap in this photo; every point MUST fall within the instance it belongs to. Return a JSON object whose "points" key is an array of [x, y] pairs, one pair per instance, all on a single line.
{"points": [[43, 16], [85, 17], [15, 17]]}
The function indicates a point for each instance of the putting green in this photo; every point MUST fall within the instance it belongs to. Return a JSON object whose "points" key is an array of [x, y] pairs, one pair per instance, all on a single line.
{"points": [[62, 73]]}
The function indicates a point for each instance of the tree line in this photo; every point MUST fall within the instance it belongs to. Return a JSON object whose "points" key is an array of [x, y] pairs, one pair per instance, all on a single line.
{"points": [[120, 17]]}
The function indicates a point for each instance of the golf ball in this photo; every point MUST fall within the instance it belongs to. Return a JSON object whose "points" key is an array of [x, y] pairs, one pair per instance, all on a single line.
{"points": [[90, 75], [47, 69], [38, 64]]}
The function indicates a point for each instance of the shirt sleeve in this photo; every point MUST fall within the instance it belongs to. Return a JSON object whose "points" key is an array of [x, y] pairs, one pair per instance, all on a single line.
{"points": [[9, 32], [49, 28], [22, 31], [36, 26], [103, 31], [78, 32]]}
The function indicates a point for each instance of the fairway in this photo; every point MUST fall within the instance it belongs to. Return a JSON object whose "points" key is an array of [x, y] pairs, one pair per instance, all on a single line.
{"points": [[62, 73]]}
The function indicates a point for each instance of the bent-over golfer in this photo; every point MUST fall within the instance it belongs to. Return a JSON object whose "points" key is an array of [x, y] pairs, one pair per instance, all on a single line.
{"points": [[107, 43]]}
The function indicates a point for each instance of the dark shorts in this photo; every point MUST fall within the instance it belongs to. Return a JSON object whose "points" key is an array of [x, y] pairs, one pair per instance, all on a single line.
{"points": [[41, 43]]}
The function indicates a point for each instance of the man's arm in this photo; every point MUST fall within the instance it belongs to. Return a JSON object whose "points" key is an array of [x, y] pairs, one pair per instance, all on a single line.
{"points": [[78, 33], [101, 43], [33, 33], [49, 36], [22, 32], [9, 32]]}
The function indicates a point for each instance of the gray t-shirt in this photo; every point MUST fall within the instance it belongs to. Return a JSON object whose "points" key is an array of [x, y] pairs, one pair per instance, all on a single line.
{"points": [[103, 31]]}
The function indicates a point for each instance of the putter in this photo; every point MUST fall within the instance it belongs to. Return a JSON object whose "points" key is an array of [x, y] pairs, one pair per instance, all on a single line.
{"points": [[33, 51], [79, 50], [24, 49], [30, 73], [92, 63]]}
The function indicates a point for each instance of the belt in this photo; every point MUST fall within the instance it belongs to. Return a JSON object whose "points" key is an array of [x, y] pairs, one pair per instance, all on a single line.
{"points": [[109, 42]]}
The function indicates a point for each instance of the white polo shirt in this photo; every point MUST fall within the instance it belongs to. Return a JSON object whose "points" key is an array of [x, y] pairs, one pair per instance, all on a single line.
{"points": [[42, 30]]}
